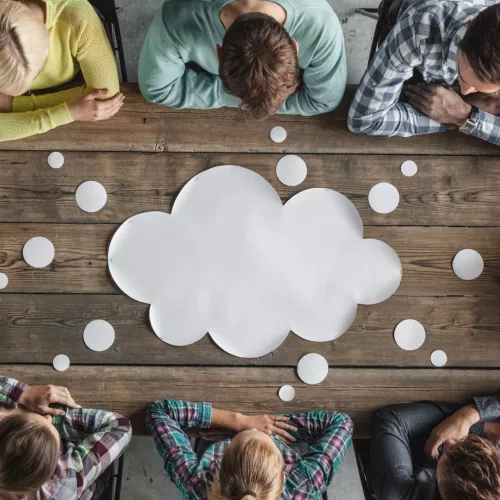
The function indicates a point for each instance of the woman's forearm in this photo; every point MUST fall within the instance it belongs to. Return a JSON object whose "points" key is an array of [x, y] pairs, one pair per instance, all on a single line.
{"points": [[227, 420]]}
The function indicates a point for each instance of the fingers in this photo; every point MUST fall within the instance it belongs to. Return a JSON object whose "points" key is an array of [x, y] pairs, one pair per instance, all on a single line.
{"points": [[282, 425], [418, 107], [96, 94], [60, 395], [432, 447], [47, 410], [412, 96], [283, 435], [278, 418], [109, 108]]}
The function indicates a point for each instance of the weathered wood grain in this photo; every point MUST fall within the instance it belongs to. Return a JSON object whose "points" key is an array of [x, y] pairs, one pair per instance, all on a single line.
{"points": [[80, 264], [146, 127], [358, 392], [457, 191], [35, 328]]}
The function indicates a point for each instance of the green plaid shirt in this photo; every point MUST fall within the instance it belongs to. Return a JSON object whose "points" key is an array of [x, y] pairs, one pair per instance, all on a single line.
{"points": [[328, 436]]}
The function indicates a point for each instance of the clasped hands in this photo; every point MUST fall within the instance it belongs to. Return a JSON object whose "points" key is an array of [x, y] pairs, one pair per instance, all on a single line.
{"points": [[445, 106]]}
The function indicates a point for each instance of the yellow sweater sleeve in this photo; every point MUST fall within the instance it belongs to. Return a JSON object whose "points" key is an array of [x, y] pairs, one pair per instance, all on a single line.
{"points": [[90, 46]]}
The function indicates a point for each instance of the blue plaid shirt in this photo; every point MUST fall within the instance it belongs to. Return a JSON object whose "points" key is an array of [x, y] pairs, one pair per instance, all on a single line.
{"points": [[426, 38]]}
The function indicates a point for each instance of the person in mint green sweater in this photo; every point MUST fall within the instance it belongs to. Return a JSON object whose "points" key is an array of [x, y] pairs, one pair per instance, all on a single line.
{"points": [[285, 56]]}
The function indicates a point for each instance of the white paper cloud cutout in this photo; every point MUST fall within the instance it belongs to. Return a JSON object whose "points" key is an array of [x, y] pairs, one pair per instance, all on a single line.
{"points": [[233, 261]]}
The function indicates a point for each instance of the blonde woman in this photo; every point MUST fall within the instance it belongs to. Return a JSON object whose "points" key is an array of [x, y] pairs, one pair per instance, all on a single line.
{"points": [[44, 44], [51, 453], [256, 463]]}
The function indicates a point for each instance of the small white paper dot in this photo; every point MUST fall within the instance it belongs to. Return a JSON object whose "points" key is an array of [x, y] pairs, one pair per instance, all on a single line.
{"points": [[287, 393], [55, 160], [4, 281], [61, 362], [439, 358], [383, 198], [409, 334], [99, 335], [291, 170], [468, 264], [91, 196], [278, 134], [312, 368], [38, 252], [409, 168]]}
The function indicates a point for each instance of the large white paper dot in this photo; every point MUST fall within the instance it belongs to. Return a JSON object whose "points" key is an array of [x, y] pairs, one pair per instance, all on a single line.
{"points": [[4, 281], [61, 362], [287, 393], [38, 252], [55, 160], [291, 170], [99, 335], [312, 368], [91, 196], [409, 168], [383, 198], [278, 134], [468, 264], [439, 358], [409, 334]]}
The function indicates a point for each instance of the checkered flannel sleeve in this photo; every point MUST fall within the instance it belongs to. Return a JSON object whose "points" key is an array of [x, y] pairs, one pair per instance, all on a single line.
{"points": [[375, 109], [329, 436], [166, 420], [10, 391], [93, 440]]}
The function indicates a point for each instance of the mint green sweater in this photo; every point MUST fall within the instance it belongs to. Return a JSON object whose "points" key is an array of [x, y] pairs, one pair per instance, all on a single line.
{"points": [[189, 30]]}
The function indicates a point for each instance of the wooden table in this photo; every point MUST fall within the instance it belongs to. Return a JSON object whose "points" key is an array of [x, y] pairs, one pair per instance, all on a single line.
{"points": [[143, 157]]}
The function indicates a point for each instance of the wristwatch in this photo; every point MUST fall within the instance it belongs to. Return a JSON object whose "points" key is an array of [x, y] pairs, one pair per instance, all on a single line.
{"points": [[470, 123]]}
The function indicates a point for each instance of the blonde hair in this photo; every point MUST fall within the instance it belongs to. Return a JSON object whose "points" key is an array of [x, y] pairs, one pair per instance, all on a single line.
{"points": [[249, 471], [24, 46], [29, 453]]}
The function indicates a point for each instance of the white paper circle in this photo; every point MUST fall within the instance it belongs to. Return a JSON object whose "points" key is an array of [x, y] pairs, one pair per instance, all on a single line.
{"points": [[99, 335], [4, 281], [409, 334], [55, 160], [383, 198], [409, 168], [278, 134], [287, 393], [291, 170], [61, 362], [38, 252], [91, 196], [312, 368], [468, 264], [439, 358]]}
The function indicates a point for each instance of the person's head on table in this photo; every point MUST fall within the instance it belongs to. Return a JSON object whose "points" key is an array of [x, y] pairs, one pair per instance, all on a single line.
{"points": [[258, 59], [469, 469], [30, 448], [252, 469], [24, 45]]}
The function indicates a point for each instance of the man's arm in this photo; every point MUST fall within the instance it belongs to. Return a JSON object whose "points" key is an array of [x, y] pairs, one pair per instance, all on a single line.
{"points": [[375, 109], [164, 78], [324, 80]]}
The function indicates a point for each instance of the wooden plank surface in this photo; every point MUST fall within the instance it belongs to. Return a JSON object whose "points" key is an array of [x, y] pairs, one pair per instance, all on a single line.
{"points": [[141, 126], [80, 264], [35, 328], [358, 392], [454, 191]]}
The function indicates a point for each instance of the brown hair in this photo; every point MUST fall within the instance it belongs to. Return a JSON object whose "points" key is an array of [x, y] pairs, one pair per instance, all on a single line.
{"points": [[249, 471], [29, 453], [259, 63], [481, 45], [472, 471]]}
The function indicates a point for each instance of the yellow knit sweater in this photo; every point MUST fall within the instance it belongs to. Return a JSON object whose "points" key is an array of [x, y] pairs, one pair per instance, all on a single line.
{"points": [[77, 42]]}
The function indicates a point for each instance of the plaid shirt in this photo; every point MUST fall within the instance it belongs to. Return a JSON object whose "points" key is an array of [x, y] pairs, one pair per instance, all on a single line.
{"points": [[307, 477], [426, 38], [91, 440]]}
